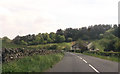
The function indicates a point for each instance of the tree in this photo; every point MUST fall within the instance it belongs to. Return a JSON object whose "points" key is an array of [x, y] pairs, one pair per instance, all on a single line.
{"points": [[117, 31], [52, 35], [101, 36], [81, 45], [60, 38], [37, 40], [6, 39], [60, 32], [110, 46], [85, 37], [49, 40], [67, 47], [115, 26], [44, 41], [69, 39], [53, 47], [117, 45], [71, 33], [17, 40], [45, 36], [23, 42]]}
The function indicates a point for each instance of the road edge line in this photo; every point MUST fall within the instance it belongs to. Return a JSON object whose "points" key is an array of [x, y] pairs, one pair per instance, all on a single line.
{"points": [[85, 61], [94, 68]]}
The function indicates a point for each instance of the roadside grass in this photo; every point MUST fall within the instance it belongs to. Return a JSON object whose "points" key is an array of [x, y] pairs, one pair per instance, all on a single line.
{"points": [[112, 58], [36, 63], [98, 44]]}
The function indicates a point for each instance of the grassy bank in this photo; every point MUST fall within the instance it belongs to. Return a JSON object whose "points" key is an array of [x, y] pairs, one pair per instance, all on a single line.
{"points": [[35, 63], [46, 46], [11, 45], [112, 58], [40, 46]]}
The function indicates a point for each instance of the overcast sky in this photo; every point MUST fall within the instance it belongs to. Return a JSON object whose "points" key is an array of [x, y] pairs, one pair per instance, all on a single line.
{"points": [[22, 17]]}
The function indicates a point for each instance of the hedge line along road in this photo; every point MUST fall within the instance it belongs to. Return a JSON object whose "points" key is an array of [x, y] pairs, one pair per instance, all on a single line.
{"points": [[74, 62]]}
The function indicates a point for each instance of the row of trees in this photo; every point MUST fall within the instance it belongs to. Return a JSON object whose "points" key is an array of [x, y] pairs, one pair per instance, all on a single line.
{"points": [[85, 33], [67, 35], [39, 39]]}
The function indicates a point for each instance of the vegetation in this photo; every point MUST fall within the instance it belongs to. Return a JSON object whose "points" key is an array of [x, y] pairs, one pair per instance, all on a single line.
{"points": [[106, 46], [67, 35], [103, 37], [7, 43], [35, 63], [108, 42], [102, 33], [52, 46], [0, 42], [104, 55], [82, 45]]}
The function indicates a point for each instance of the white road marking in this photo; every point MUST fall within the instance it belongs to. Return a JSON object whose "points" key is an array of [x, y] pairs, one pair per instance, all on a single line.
{"points": [[82, 59], [79, 57], [85, 61], [89, 64], [94, 68]]}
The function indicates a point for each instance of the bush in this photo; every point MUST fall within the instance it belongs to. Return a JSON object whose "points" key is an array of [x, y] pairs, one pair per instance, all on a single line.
{"points": [[6, 39], [69, 39], [117, 45], [47, 47], [67, 47], [60, 38], [23, 42], [82, 45], [53, 47]]}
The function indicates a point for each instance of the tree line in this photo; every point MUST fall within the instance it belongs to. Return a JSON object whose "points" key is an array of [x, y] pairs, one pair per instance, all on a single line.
{"points": [[67, 35]]}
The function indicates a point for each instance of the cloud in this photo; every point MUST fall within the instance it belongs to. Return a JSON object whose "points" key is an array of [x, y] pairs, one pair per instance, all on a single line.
{"points": [[21, 17], [22, 21]]}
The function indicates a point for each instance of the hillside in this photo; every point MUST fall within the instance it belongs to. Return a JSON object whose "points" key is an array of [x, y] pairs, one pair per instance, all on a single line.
{"points": [[108, 41]]}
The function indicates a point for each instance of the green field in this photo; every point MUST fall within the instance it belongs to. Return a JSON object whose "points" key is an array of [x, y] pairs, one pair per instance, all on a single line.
{"points": [[59, 46], [46, 46], [11, 45], [35, 63]]}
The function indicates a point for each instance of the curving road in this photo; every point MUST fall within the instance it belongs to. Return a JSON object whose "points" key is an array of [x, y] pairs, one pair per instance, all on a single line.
{"points": [[73, 62]]}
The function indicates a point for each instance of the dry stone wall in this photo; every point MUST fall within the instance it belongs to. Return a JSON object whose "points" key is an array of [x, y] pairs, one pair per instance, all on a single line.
{"points": [[9, 54]]}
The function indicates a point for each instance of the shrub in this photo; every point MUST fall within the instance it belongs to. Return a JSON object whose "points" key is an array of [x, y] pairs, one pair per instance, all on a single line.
{"points": [[67, 47], [53, 47], [69, 39]]}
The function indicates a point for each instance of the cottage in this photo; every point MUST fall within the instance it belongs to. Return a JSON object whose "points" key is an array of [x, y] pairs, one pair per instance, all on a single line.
{"points": [[91, 47]]}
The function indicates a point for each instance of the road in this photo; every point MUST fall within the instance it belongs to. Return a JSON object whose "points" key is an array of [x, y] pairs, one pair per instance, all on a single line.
{"points": [[74, 62]]}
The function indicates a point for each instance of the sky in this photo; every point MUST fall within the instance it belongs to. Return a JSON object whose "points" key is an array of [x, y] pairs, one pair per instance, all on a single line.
{"points": [[22, 17]]}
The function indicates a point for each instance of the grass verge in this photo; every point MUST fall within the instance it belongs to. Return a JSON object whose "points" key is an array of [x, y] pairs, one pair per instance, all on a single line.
{"points": [[36, 63], [112, 58]]}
